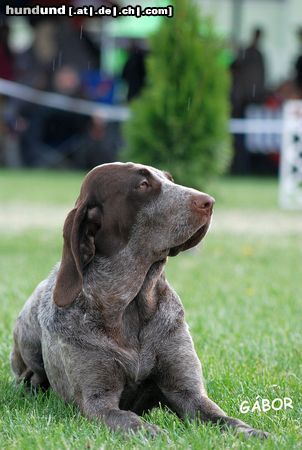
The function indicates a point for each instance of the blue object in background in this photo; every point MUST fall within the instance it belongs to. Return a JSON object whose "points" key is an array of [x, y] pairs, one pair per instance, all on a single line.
{"points": [[100, 87]]}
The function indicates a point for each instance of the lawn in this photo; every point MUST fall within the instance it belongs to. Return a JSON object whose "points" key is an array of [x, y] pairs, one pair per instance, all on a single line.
{"points": [[242, 294]]}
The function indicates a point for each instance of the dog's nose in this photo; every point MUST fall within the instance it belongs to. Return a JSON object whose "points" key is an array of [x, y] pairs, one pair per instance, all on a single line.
{"points": [[202, 202]]}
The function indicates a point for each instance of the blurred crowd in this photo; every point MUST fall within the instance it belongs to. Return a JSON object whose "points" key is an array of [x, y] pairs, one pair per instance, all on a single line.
{"points": [[63, 58], [251, 98], [249, 84]]}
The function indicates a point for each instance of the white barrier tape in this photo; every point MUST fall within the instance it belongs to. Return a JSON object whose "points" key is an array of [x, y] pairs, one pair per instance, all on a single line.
{"points": [[119, 113], [255, 126], [58, 101]]}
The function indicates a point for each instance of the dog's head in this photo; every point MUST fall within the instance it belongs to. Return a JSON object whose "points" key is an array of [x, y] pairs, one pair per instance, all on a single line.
{"points": [[128, 205]]}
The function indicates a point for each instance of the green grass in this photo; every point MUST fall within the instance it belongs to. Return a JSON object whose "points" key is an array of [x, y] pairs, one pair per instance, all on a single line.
{"points": [[61, 187], [39, 186], [243, 301]]}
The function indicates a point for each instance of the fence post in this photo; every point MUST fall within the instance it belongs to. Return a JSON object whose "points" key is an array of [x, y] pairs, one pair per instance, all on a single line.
{"points": [[290, 177]]}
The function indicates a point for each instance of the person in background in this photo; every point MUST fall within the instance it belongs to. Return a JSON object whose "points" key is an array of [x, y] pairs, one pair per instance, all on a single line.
{"points": [[248, 86], [134, 71], [51, 135], [60, 138], [248, 75], [6, 56], [35, 65], [298, 65], [9, 151]]}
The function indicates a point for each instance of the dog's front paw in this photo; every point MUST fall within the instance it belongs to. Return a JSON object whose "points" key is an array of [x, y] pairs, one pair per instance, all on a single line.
{"points": [[151, 430], [136, 424], [252, 432]]}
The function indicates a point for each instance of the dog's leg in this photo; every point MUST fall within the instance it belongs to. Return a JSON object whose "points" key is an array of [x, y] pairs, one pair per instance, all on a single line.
{"points": [[35, 379], [99, 406], [98, 382], [17, 363], [180, 379], [196, 406], [26, 357]]}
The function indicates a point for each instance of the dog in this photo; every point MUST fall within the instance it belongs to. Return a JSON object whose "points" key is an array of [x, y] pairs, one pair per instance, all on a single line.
{"points": [[105, 330]]}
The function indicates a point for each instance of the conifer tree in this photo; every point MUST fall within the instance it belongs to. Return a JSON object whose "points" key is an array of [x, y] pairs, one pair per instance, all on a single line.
{"points": [[179, 122]]}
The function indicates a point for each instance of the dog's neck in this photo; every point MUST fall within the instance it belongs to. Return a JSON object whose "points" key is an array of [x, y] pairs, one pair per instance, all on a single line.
{"points": [[152, 289], [113, 283]]}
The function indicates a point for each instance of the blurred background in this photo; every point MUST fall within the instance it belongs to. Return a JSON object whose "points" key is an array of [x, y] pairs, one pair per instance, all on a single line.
{"points": [[104, 62]]}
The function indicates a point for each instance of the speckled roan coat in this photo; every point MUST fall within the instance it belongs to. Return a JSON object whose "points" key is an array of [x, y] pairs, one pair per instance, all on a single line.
{"points": [[105, 330]]}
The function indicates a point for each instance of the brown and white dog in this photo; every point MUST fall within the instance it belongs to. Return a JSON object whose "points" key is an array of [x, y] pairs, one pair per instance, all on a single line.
{"points": [[105, 330]]}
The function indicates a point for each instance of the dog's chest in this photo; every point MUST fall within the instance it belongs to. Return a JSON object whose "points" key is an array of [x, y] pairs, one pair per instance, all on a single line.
{"points": [[137, 365], [136, 358], [137, 354]]}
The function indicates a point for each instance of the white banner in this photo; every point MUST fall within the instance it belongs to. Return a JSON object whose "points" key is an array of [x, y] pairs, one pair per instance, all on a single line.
{"points": [[64, 102]]}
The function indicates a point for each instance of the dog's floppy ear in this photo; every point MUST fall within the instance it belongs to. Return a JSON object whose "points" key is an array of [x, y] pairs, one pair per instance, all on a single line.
{"points": [[79, 231]]}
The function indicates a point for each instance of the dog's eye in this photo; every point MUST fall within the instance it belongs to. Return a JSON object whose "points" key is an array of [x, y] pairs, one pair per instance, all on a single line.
{"points": [[143, 186]]}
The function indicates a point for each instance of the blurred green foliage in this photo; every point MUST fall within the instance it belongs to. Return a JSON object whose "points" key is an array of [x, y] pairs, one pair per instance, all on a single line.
{"points": [[179, 123]]}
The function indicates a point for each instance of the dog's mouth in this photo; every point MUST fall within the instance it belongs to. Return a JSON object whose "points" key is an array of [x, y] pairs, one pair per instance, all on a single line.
{"points": [[192, 241]]}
